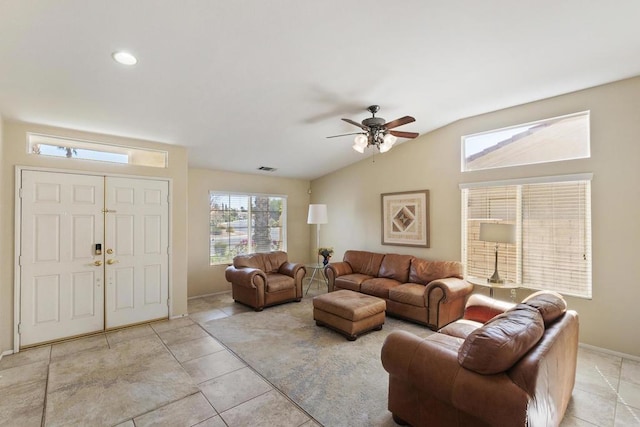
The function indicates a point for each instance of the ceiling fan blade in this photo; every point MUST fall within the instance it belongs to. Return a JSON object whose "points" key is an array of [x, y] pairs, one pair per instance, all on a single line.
{"points": [[346, 134], [361, 126], [403, 134], [399, 122]]}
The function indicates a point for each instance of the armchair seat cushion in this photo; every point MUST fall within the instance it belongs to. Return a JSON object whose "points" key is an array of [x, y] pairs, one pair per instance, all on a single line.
{"points": [[409, 293], [279, 282]]}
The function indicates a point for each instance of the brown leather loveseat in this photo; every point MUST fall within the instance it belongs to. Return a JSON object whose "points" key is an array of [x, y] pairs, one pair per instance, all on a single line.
{"points": [[263, 279], [502, 365], [432, 293]]}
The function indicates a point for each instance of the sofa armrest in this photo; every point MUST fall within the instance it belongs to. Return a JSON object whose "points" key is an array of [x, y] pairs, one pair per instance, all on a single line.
{"points": [[427, 363], [452, 288], [290, 269], [430, 365], [336, 269], [481, 308], [247, 277], [444, 299]]}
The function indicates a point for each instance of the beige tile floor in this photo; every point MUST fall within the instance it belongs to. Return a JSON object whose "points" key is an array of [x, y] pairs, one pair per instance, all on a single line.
{"points": [[172, 373]]}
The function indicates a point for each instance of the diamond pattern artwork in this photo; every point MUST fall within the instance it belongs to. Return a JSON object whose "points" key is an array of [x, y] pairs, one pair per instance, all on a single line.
{"points": [[405, 218]]}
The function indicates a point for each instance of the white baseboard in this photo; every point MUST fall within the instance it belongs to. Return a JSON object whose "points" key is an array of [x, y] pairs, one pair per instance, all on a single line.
{"points": [[211, 294], [5, 353], [611, 352], [179, 316]]}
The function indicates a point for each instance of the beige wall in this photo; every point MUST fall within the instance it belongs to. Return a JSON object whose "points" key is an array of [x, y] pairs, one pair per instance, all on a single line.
{"points": [[432, 162], [13, 152], [206, 279]]}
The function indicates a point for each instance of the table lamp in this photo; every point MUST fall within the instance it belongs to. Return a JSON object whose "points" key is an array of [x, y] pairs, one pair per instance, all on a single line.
{"points": [[497, 233]]}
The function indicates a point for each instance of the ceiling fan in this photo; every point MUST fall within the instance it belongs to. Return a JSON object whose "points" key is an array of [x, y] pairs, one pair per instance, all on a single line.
{"points": [[377, 133]]}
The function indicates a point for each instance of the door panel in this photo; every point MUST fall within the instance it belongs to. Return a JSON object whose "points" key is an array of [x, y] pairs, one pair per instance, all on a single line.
{"points": [[61, 287], [63, 291], [137, 224]]}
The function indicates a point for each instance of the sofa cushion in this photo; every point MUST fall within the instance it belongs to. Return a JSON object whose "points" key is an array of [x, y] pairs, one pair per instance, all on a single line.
{"points": [[482, 308], [364, 262], [460, 328], [502, 341], [424, 271], [551, 305], [395, 267], [273, 261], [378, 287], [351, 281], [279, 282], [408, 293], [249, 261]]}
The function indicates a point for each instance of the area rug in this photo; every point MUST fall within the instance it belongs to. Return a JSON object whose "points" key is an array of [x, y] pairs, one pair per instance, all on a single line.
{"points": [[338, 382]]}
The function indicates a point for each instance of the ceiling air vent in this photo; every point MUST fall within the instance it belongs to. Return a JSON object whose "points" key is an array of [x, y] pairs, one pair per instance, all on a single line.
{"points": [[267, 169]]}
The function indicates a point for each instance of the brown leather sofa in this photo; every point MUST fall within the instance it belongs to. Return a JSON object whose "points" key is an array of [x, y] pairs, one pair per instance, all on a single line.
{"points": [[515, 369], [263, 279], [432, 293]]}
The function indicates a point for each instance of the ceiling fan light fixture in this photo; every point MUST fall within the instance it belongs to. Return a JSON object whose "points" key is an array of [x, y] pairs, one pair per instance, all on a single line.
{"points": [[359, 148], [360, 142], [384, 147], [389, 140]]}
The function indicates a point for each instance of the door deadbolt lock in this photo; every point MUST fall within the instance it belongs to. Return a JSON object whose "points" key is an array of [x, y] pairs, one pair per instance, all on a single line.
{"points": [[109, 251], [112, 261]]}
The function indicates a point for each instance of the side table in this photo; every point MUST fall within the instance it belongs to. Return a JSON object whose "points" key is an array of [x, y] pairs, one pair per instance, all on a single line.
{"points": [[317, 267], [484, 283]]}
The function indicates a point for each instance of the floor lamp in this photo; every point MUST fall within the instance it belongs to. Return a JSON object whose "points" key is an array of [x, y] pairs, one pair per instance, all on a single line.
{"points": [[497, 233], [317, 215]]}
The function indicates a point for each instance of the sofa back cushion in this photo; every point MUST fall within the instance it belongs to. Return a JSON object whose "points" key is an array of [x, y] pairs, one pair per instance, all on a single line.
{"points": [[273, 261], [551, 305], [482, 308], [248, 261], [502, 341], [364, 262], [269, 262], [395, 267], [424, 271]]}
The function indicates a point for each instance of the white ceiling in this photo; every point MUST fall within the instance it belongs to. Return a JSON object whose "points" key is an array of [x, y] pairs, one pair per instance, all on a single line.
{"points": [[249, 83]]}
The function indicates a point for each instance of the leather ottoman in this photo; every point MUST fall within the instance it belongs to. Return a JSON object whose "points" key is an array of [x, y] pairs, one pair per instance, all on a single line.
{"points": [[350, 313]]}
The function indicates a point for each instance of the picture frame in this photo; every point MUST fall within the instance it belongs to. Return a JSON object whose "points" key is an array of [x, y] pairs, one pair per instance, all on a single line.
{"points": [[405, 218]]}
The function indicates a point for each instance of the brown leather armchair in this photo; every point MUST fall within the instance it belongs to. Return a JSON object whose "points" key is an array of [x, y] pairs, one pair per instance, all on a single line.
{"points": [[516, 368], [263, 279]]}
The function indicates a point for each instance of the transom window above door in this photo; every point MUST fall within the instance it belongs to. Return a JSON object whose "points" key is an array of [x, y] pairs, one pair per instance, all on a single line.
{"points": [[54, 146]]}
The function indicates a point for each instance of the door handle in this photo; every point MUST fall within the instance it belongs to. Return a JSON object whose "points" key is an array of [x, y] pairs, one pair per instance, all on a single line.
{"points": [[97, 263], [112, 261]]}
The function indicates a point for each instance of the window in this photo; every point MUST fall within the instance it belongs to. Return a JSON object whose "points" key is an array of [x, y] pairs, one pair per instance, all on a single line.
{"points": [[553, 228], [44, 145], [245, 223], [560, 138]]}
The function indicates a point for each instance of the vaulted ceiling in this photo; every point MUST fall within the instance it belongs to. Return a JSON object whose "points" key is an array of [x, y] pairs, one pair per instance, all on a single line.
{"points": [[252, 83]]}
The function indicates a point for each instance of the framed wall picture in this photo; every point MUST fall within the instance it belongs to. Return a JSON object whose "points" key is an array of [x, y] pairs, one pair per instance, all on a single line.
{"points": [[405, 218]]}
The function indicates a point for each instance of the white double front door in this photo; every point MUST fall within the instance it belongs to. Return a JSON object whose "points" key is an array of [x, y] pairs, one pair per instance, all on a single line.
{"points": [[93, 253]]}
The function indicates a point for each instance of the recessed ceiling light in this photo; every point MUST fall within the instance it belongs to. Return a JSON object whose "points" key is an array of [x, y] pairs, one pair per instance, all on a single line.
{"points": [[124, 58]]}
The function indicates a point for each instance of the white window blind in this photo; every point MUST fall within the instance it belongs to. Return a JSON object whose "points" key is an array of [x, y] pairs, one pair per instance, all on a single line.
{"points": [[553, 228]]}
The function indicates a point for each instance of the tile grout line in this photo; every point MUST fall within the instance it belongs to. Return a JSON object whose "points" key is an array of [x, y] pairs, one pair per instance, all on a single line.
{"points": [[261, 376]]}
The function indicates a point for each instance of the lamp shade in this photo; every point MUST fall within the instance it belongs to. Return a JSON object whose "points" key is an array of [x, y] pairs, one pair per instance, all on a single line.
{"points": [[497, 233], [317, 214]]}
